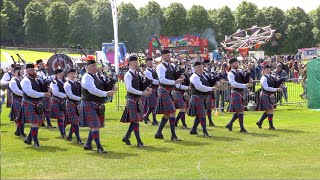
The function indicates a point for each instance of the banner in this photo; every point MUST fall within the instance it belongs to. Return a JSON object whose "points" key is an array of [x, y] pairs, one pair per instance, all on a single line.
{"points": [[115, 30]]}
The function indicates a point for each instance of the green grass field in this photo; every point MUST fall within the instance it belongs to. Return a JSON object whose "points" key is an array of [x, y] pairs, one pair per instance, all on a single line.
{"points": [[29, 56], [290, 152]]}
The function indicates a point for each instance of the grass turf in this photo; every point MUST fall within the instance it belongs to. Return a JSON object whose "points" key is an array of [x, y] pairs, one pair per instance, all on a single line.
{"points": [[292, 151]]}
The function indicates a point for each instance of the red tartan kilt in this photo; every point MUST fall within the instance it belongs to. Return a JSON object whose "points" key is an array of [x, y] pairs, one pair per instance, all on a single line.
{"points": [[47, 103], [151, 100], [72, 116], [212, 104], [197, 106], [264, 102], [89, 115], [28, 113], [15, 108], [180, 102], [55, 109], [165, 102], [130, 113], [9, 98], [236, 104]]}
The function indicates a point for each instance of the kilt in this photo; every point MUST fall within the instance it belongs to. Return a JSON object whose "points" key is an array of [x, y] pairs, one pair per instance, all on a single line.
{"points": [[28, 112], [236, 104], [180, 102], [15, 107], [55, 109], [264, 102], [197, 106], [151, 100], [72, 116], [47, 106], [144, 104], [89, 115], [9, 98], [130, 113], [165, 103], [212, 104]]}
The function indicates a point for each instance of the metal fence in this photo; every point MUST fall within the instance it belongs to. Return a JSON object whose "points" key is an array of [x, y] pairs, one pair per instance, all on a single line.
{"points": [[293, 92]]}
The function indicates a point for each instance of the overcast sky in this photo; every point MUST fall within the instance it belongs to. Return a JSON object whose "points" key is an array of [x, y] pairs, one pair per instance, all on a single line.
{"points": [[307, 5]]}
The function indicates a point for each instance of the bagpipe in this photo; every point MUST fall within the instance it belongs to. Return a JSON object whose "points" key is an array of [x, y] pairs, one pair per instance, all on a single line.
{"points": [[144, 81], [108, 82]]}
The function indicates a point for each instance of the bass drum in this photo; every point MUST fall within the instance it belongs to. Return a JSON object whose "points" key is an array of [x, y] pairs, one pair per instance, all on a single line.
{"points": [[61, 61]]}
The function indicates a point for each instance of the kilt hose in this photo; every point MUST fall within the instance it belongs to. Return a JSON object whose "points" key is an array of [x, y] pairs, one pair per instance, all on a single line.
{"points": [[47, 106], [9, 98], [55, 109], [180, 103], [28, 112], [15, 108], [165, 103], [152, 100], [264, 103], [88, 116], [236, 103], [130, 113], [197, 106], [72, 116]]}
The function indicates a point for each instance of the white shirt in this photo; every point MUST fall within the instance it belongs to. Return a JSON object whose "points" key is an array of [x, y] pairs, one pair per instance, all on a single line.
{"points": [[195, 80], [67, 89], [233, 81], [87, 82], [27, 88], [55, 90], [128, 81], [6, 79], [14, 87], [264, 82], [148, 74], [161, 71]]}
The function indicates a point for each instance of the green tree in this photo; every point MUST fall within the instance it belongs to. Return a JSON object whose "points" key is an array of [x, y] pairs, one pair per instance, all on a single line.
{"points": [[35, 24], [276, 18], [151, 19], [4, 26], [14, 28], [81, 30], [315, 17], [58, 23], [246, 15], [299, 30], [175, 20], [129, 25], [197, 19], [102, 21]]}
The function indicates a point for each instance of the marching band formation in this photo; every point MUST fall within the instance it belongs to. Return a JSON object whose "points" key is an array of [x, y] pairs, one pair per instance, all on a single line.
{"points": [[34, 96]]}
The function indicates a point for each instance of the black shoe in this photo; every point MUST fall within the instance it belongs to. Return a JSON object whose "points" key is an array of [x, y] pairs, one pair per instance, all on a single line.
{"points": [[79, 142], [243, 130], [193, 132], [17, 133], [69, 139], [272, 128], [27, 141], [63, 136], [101, 151], [259, 124], [126, 140], [43, 125], [155, 123], [211, 124], [175, 138], [229, 126], [36, 145], [206, 134], [88, 148], [184, 127], [23, 135], [140, 144], [158, 136], [50, 126]]}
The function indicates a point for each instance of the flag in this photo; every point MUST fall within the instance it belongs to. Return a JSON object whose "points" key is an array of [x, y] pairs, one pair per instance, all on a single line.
{"points": [[115, 30]]}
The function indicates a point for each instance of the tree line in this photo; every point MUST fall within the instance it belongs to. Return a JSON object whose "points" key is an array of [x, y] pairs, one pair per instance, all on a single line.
{"points": [[67, 23]]}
